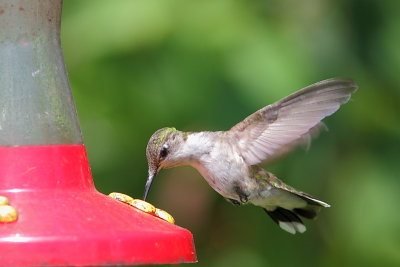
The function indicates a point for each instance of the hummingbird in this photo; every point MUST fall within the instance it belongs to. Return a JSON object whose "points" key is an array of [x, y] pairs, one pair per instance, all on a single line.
{"points": [[230, 160]]}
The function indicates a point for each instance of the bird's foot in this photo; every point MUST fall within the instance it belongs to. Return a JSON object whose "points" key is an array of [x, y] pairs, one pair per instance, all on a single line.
{"points": [[242, 195], [234, 201]]}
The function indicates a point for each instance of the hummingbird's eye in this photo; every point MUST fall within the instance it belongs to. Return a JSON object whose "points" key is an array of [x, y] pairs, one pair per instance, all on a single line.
{"points": [[164, 152]]}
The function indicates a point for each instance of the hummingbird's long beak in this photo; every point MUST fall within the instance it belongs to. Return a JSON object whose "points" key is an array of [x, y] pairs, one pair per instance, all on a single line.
{"points": [[149, 181]]}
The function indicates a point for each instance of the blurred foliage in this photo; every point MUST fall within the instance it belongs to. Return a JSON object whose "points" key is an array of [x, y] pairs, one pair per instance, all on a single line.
{"points": [[136, 66]]}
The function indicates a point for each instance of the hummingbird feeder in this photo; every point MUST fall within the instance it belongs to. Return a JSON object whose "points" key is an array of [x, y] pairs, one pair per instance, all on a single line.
{"points": [[56, 216]]}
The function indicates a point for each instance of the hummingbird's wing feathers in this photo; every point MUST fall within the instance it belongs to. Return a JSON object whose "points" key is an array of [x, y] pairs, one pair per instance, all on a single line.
{"points": [[278, 127]]}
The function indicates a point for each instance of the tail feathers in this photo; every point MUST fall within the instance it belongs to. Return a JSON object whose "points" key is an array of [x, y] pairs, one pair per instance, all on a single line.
{"points": [[290, 221], [309, 212], [287, 220]]}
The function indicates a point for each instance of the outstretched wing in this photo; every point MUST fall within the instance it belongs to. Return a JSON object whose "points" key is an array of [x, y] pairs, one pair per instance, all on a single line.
{"points": [[279, 127]]}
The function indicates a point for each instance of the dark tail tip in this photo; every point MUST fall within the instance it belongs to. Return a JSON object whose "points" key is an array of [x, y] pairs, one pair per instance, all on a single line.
{"points": [[306, 213]]}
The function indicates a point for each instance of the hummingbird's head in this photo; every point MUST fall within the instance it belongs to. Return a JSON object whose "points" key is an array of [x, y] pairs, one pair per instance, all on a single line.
{"points": [[161, 152]]}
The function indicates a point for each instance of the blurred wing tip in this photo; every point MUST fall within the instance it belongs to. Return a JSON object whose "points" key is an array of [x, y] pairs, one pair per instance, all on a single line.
{"points": [[339, 79], [344, 82]]}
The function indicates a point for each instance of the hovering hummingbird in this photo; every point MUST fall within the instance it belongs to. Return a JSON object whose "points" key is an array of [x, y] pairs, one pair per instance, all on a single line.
{"points": [[228, 160]]}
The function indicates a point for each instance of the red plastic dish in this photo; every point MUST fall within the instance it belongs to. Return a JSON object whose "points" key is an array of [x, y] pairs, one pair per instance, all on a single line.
{"points": [[63, 220]]}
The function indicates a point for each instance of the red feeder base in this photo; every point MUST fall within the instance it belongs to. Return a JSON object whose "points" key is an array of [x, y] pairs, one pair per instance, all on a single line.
{"points": [[63, 220]]}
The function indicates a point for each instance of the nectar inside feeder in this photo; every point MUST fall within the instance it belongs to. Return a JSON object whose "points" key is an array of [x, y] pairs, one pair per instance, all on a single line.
{"points": [[44, 170]]}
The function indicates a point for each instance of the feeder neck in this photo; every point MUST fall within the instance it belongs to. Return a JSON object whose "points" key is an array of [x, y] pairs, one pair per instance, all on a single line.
{"points": [[36, 105]]}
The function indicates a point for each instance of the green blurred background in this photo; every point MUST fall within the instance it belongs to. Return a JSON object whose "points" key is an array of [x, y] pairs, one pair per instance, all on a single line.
{"points": [[136, 66]]}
